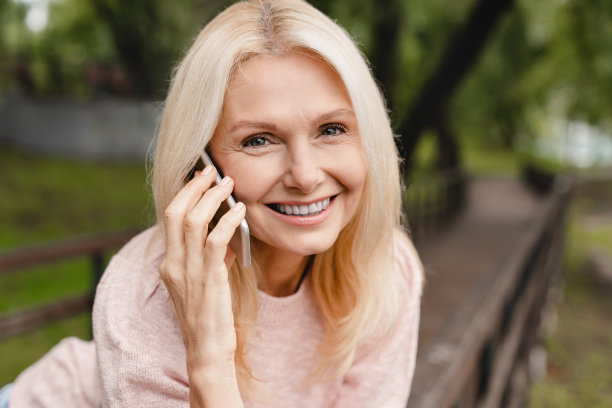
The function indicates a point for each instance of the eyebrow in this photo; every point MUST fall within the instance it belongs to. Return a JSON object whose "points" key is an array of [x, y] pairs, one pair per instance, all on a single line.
{"points": [[250, 124], [334, 113]]}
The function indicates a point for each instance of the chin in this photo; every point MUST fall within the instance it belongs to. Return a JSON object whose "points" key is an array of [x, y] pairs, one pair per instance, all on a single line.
{"points": [[313, 250], [305, 247]]}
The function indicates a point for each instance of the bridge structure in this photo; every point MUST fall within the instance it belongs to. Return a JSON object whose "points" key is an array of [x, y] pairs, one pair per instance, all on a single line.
{"points": [[491, 249]]}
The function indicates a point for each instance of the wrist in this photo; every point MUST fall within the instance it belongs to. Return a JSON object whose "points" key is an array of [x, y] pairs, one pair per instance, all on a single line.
{"points": [[214, 386], [208, 373]]}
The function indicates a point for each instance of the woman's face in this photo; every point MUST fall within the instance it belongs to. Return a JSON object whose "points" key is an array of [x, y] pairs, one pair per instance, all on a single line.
{"points": [[288, 137]]}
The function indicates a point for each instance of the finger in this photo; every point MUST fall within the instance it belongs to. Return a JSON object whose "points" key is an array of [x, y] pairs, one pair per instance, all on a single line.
{"points": [[185, 199], [218, 241], [197, 220], [230, 257]]}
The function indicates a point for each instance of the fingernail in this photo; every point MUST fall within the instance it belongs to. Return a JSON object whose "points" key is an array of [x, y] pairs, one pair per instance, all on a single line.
{"points": [[207, 170], [225, 180], [238, 206]]}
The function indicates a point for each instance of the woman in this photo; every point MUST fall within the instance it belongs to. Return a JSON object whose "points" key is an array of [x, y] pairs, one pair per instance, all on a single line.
{"points": [[283, 101]]}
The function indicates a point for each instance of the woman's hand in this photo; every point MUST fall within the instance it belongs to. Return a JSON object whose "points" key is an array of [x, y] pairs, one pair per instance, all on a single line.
{"points": [[195, 273]]}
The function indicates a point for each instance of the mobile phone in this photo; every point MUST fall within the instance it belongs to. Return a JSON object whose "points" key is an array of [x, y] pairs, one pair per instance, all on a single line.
{"points": [[241, 241]]}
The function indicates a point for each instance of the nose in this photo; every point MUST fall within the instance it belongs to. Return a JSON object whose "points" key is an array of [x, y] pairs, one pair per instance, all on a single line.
{"points": [[303, 170]]}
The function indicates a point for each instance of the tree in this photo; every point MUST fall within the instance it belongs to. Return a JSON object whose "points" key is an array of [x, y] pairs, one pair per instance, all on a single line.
{"points": [[461, 54], [149, 35]]}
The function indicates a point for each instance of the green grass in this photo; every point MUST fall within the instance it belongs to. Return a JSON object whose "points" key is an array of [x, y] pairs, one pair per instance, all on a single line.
{"points": [[475, 157], [21, 351], [490, 161], [61, 279], [46, 199]]}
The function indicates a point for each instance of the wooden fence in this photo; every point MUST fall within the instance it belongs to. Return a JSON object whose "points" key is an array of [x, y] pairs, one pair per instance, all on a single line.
{"points": [[15, 261]]}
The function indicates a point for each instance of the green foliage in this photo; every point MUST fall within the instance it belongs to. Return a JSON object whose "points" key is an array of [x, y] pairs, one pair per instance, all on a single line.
{"points": [[427, 27], [140, 39], [53, 62], [425, 157], [548, 60]]}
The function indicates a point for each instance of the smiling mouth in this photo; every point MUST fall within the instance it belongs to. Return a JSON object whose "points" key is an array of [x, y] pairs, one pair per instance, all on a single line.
{"points": [[302, 210]]}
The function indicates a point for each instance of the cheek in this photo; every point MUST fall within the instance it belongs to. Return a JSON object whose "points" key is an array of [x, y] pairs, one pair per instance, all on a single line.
{"points": [[250, 180], [354, 170]]}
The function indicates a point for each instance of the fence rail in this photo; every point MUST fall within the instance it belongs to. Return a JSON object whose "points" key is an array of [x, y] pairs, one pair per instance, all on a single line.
{"points": [[16, 261], [481, 358]]}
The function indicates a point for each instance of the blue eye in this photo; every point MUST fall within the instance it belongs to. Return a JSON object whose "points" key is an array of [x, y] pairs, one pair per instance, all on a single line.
{"points": [[333, 129], [256, 141]]}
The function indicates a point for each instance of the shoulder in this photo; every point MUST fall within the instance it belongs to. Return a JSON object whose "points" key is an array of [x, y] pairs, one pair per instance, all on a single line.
{"points": [[145, 248], [137, 338], [138, 260], [131, 299]]}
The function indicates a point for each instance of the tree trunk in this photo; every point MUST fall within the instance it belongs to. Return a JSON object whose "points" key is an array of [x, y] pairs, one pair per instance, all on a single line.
{"points": [[447, 145], [384, 55], [126, 25], [461, 54]]}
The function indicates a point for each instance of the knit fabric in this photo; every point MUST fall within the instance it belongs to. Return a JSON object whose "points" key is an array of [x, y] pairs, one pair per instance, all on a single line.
{"points": [[139, 356]]}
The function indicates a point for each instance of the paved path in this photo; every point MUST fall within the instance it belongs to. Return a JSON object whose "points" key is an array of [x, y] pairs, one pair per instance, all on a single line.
{"points": [[476, 244]]}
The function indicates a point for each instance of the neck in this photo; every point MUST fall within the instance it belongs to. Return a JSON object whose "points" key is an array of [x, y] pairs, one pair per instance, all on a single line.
{"points": [[281, 272]]}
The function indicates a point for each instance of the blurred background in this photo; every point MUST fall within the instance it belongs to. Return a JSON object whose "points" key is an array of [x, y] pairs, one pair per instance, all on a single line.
{"points": [[511, 90]]}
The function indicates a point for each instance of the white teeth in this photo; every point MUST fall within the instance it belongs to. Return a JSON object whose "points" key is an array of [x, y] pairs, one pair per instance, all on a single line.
{"points": [[310, 209]]}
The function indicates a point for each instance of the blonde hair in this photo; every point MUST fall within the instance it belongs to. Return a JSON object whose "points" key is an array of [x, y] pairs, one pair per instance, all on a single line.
{"points": [[355, 284]]}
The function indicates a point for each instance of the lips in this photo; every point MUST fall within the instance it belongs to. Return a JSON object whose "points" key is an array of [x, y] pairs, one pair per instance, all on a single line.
{"points": [[302, 210]]}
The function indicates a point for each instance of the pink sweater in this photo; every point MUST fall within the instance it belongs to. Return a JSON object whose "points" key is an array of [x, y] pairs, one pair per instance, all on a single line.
{"points": [[138, 359]]}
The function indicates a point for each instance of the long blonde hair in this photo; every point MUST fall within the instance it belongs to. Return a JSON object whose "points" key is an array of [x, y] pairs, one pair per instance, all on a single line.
{"points": [[355, 284]]}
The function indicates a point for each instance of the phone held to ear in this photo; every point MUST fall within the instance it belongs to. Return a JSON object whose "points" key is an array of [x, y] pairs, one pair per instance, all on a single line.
{"points": [[240, 242]]}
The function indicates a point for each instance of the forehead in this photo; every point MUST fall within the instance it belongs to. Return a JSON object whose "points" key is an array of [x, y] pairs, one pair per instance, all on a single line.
{"points": [[296, 61], [296, 80]]}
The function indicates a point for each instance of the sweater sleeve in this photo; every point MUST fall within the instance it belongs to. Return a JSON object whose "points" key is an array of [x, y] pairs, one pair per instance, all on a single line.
{"points": [[64, 377], [381, 375], [140, 352]]}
